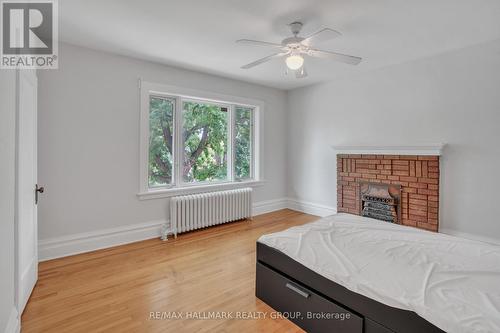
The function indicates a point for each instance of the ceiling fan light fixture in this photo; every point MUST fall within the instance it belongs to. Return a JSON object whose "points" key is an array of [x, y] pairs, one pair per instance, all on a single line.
{"points": [[294, 61]]}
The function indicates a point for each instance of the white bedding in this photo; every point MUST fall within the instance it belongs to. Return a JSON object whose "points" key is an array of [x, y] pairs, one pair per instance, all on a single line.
{"points": [[452, 282]]}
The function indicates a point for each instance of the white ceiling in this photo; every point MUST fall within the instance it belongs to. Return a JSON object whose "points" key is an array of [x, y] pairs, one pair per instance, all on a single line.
{"points": [[200, 35]]}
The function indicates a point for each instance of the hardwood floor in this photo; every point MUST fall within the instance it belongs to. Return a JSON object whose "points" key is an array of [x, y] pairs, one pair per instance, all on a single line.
{"points": [[116, 289]]}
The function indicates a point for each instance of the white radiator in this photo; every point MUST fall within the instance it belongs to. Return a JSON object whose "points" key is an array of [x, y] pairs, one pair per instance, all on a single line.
{"points": [[195, 211]]}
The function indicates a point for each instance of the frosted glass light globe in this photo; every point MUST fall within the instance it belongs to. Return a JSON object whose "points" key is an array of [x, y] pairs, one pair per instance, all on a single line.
{"points": [[294, 62]]}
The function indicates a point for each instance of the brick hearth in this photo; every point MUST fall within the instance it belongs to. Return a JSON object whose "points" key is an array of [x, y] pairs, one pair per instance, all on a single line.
{"points": [[417, 175]]}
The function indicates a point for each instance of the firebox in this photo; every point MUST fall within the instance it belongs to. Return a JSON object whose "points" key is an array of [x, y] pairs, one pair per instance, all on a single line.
{"points": [[381, 201]]}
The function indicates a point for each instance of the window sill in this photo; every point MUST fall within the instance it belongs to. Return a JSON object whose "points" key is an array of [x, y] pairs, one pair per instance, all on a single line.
{"points": [[170, 192]]}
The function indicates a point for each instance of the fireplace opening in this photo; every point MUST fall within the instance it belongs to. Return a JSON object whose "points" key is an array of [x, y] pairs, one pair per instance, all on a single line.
{"points": [[381, 201]]}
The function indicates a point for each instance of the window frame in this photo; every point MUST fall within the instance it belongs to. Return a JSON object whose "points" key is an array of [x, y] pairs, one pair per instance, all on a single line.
{"points": [[178, 185]]}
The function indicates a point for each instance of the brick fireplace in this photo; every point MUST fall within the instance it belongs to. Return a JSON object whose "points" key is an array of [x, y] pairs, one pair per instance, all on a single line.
{"points": [[417, 177]]}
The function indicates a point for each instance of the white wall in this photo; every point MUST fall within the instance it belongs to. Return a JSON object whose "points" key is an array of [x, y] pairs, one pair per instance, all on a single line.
{"points": [[452, 98], [89, 140], [8, 315]]}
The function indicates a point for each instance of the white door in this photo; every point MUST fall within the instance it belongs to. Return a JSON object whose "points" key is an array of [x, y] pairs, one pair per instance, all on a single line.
{"points": [[26, 226]]}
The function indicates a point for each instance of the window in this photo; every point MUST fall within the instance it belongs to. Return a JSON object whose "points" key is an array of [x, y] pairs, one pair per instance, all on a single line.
{"points": [[243, 142], [161, 128], [196, 139], [205, 140]]}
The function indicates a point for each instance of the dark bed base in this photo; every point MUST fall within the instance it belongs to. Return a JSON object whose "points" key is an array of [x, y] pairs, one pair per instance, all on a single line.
{"points": [[318, 304]]}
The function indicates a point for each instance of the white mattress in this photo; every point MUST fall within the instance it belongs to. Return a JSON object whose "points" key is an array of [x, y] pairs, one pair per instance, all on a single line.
{"points": [[452, 282]]}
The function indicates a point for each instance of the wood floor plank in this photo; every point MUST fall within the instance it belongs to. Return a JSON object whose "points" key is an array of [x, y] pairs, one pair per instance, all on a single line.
{"points": [[116, 289]]}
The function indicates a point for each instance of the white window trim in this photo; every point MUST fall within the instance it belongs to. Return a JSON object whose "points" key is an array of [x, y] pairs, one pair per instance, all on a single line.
{"points": [[146, 90]]}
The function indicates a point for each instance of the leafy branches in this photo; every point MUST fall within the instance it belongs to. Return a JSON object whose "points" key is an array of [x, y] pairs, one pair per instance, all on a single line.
{"points": [[205, 141]]}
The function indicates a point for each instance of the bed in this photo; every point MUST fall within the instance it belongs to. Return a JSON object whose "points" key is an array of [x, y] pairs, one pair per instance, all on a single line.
{"points": [[352, 274]]}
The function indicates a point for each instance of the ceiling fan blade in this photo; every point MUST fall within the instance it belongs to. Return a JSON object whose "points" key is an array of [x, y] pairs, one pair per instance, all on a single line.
{"points": [[321, 36], [301, 73], [263, 60], [348, 59], [258, 43]]}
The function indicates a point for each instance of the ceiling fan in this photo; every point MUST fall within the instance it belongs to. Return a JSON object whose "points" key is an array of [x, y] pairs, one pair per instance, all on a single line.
{"points": [[295, 47]]}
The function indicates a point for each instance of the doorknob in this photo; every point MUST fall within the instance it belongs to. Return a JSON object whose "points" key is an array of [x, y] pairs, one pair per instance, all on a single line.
{"points": [[38, 190]]}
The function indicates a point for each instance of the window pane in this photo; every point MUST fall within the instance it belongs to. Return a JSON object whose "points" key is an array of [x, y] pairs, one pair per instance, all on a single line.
{"points": [[205, 142], [243, 143], [161, 118]]}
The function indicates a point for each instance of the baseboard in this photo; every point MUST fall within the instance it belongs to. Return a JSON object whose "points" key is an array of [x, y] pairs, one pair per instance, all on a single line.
{"points": [[269, 206], [467, 235], [311, 207], [14, 324], [95, 240]]}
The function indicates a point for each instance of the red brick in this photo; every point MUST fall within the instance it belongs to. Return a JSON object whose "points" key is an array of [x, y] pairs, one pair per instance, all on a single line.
{"points": [[417, 175], [409, 157], [424, 169], [420, 213], [418, 168], [433, 221], [349, 202], [418, 202], [363, 171], [432, 216], [428, 181], [428, 158], [418, 207], [412, 168], [418, 218], [426, 191], [427, 226], [401, 167], [349, 192], [418, 196], [418, 185], [408, 179], [410, 223]]}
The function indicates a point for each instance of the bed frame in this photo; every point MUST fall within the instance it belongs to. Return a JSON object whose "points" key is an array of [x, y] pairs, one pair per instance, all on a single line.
{"points": [[318, 304]]}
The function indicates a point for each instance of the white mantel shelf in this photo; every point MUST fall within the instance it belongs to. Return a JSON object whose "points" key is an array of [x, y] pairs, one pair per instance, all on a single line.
{"points": [[430, 149]]}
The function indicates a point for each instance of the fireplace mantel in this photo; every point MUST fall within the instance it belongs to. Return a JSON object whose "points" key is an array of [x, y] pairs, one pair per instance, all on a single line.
{"points": [[430, 149]]}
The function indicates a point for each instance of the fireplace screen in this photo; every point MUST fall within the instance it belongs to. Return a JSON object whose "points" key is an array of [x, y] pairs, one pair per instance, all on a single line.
{"points": [[381, 201]]}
